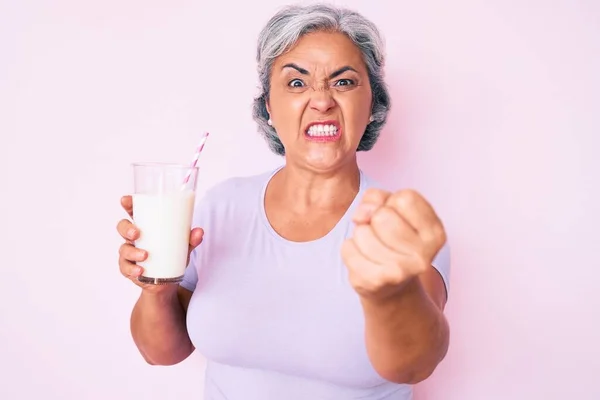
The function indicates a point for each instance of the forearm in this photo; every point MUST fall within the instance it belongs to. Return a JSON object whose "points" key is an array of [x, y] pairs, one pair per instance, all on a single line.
{"points": [[159, 329], [406, 335]]}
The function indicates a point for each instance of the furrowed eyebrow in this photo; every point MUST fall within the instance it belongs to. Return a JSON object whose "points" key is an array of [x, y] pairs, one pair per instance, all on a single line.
{"points": [[296, 67], [331, 76], [341, 71]]}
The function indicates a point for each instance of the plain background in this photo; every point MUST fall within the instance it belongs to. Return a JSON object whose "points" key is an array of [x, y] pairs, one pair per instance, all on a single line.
{"points": [[495, 120]]}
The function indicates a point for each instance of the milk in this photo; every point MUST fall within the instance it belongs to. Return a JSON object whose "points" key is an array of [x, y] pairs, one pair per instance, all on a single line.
{"points": [[164, 221]]}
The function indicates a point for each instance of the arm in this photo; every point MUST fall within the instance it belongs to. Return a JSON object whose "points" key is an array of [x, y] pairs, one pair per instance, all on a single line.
{"points": [[397, 240], [407, 334], [158, 326], [158, 319]]}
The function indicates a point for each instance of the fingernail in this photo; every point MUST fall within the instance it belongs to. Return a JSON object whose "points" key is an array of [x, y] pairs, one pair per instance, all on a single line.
{"points": [[137, 270], [365, 211], [131, 233]]}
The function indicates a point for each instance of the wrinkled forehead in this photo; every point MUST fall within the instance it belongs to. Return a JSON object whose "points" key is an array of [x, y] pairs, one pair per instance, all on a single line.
{"points": [[321, 53]]}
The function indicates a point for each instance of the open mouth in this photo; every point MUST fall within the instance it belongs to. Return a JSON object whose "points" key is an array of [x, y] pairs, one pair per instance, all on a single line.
{"points": [[323, 131]]}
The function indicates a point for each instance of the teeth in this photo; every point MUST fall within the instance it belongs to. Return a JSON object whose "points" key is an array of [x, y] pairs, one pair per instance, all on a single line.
{"points": [[322, 130]]}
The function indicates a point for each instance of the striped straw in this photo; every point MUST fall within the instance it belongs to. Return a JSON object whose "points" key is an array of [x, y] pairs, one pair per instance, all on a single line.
{"points": [[196, 156]]}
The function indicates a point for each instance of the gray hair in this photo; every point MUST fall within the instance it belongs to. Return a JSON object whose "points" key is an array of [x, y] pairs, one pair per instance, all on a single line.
{"points": [[292, 22]]}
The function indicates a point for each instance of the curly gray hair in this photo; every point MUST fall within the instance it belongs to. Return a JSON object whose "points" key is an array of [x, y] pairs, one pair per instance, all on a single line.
{"points": [[292, 22]]}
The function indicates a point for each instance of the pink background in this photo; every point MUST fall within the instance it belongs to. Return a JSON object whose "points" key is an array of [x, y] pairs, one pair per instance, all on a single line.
{"points": [[495, 119]]}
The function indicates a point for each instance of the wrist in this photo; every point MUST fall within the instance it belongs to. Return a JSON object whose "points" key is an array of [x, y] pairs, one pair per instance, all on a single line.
{"points": [[393, 295], [160, 294]]}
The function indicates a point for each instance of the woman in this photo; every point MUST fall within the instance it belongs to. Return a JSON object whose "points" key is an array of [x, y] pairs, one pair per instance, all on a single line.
{"points": [[311, 281]]}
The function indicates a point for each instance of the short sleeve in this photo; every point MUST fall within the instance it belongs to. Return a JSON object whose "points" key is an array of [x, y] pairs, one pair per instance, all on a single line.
{"points": [[190, 278], [441, 263]]}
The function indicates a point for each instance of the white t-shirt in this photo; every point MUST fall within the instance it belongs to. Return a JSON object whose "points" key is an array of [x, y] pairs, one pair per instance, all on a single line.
{"points": [[278, 319]]}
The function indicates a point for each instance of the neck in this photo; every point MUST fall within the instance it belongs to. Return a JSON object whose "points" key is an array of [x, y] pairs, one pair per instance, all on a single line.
{"points": [[303, 188]]}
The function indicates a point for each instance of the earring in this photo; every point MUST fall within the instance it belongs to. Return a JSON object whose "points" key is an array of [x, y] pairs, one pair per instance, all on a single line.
{"points": [[371, 119], [270, 122]]}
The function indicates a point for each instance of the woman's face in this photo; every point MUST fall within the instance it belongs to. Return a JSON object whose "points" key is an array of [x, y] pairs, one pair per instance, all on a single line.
{"points": [[320, 100]]}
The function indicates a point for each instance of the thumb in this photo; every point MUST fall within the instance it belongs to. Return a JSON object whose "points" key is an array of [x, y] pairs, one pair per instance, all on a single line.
{"points": [[196, 236], [372, 200]]}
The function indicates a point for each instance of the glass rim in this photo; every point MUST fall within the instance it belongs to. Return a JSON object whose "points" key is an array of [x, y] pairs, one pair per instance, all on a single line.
{"points": [[163, 165]]}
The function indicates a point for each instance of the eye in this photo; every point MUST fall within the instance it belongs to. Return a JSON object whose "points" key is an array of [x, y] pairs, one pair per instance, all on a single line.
{"points": [[344, 82], [296, 83]]}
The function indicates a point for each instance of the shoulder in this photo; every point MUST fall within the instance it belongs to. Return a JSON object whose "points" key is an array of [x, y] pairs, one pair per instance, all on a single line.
{"points": [[237, 187], [233, 196]]}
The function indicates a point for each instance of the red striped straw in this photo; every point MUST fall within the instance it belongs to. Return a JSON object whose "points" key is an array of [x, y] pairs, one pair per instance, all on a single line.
{"points": [[196, 156]]}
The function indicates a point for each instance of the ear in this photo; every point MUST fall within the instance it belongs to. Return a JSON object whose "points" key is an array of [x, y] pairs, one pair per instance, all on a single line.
{"points": [[268, 106]]}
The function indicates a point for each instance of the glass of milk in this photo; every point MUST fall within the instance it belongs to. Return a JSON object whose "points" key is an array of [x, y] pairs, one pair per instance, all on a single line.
{"points": [[163, 205]]}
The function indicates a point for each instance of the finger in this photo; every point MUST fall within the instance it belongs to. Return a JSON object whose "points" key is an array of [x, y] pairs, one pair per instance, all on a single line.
{"points": [[196, 236], [363, 213], [370, 202], [395, 232], [375, 196], [372, 248], [127, 204], [130, 270], [131, 253], [365, 275], [415, 210], [127, 230], [355, 260]]}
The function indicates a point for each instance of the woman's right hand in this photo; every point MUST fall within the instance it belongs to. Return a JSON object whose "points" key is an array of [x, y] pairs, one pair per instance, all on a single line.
{"points": [[129, 255]]}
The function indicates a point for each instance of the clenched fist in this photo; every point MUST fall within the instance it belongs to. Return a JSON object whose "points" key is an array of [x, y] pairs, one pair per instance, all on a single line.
{"points": [[396, 238]]}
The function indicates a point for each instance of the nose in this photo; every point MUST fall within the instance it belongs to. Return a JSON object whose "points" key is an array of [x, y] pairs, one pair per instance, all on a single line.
{"points": [[321, 100]]}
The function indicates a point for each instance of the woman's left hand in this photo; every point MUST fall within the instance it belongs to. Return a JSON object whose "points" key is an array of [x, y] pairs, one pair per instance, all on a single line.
{"points": [[396, 238]]}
